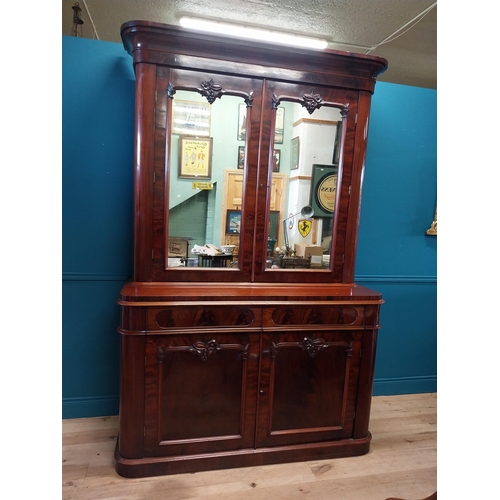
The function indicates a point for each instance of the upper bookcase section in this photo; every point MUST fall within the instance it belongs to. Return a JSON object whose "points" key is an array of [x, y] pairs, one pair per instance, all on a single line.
{"points": [[249, 157]]}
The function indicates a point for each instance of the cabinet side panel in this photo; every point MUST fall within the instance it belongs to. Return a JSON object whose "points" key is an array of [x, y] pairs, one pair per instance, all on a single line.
{"points": [[358, 167], [131, 434], [365, 386], [143, 170]]}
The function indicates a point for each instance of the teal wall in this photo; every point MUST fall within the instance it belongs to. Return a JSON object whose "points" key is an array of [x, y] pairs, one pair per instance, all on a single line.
{"points": [[98, 87], [394, 255]]}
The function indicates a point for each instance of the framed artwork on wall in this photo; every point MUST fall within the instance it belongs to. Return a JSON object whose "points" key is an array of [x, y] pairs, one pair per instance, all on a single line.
{"points": [[195, 157]]}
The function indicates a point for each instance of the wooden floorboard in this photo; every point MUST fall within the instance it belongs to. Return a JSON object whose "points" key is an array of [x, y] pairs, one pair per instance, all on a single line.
{"points": [[402, 463]]}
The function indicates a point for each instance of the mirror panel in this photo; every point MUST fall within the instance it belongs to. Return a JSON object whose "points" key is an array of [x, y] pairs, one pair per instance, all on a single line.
{"points": [[303, 194], [205, 193]]}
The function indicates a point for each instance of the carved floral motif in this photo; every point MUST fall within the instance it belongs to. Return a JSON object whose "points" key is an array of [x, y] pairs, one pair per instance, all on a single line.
{"points": [[312, 102], [211, 91], [204, 350]]}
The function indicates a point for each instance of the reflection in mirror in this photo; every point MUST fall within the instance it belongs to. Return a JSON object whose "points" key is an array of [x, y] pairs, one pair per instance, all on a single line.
{"points": [[304, 192], [207, 151]]}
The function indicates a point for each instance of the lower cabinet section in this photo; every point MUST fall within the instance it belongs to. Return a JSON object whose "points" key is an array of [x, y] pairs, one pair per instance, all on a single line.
{"points": [[211, 386]]}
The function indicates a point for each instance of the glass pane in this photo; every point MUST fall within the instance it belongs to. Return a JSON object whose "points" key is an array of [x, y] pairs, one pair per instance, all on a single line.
{"points": [[304, 187], [207, 151]]}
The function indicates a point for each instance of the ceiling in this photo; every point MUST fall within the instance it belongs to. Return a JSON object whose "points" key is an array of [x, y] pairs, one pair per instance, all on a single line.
{"points": [[402, 31]]}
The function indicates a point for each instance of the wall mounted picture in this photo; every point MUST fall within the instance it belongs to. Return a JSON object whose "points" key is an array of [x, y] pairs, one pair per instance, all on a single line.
{"points": [[294, 153], [233, 222], [276, 160], [242, 122], [195, 158], [191, 118], [279, 128], [241, 156], [323, 189]]}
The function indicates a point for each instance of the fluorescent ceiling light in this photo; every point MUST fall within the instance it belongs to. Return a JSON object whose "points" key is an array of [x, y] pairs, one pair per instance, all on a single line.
{"points": [[253, 33]]}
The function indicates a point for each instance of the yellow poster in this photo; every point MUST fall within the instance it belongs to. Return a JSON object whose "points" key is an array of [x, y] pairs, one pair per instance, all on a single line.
{"points": [[195, 157]]}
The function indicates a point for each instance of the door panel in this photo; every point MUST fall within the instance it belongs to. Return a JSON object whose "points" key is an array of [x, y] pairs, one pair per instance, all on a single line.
{"points": [[200, 393], [308, 386]]}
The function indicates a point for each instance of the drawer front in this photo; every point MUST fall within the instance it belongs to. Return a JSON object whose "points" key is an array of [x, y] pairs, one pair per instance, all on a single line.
{"points": [[179, 317], [342, 315]]}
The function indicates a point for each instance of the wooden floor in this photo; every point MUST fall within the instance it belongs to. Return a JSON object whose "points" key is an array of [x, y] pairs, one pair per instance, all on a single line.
{"points": [[401, 463]]}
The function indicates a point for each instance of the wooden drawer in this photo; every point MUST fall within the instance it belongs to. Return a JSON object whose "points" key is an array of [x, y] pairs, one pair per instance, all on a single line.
{"points": [[342, 315], [187, 316]]}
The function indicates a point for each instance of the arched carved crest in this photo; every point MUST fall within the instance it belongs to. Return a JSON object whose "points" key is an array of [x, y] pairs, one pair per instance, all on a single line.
{"points": [[311, 102], [211, 91]]}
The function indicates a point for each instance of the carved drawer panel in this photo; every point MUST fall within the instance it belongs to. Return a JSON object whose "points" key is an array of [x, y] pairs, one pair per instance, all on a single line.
{"points": [[194, 316], [319, 315]]}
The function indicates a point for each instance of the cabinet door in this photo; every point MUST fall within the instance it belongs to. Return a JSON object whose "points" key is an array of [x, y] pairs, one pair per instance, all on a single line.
{"points": [[315, 129], [202, 121], [200, 393], [308, 386]]}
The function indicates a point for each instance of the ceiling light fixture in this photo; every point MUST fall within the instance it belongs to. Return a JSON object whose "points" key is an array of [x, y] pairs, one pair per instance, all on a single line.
{"points": [[253, 33]]}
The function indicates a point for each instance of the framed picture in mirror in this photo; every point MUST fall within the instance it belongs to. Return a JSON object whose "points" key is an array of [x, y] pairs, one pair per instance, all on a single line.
{"points": [[241, 157], [191, 118], [195, 157], [276, 160], [294, 153], [279, 127], [233, 221], [323, 189], [242, 122], [274, 219]]}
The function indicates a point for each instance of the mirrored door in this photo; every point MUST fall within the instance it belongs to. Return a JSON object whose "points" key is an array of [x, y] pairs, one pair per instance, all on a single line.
{"points": [[310, 163], [204, 194], [307, 138]]}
